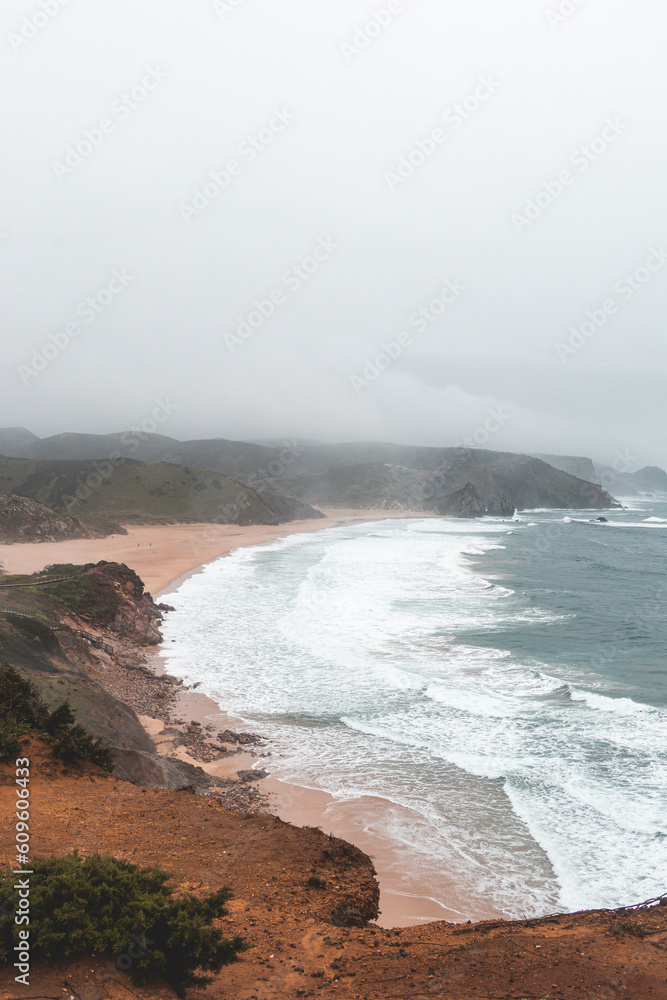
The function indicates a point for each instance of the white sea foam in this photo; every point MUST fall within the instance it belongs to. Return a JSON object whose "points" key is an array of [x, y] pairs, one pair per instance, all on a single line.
{"points": [[368, 654], [620, 706]]}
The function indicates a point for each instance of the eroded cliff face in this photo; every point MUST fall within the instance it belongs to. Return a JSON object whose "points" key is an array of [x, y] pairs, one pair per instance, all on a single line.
{"points": [[69, 636], [120, 603], [502, 483]]}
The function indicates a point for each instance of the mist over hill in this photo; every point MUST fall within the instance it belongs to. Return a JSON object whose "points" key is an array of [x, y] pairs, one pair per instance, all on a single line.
{"points": [[126, 490], [359, 475]]}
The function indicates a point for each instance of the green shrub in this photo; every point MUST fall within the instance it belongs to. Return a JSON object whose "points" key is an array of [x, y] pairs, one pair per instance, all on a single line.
{"points": [[633, 927], [20, 700], [128, 913], [10, 734], [22, 710]]}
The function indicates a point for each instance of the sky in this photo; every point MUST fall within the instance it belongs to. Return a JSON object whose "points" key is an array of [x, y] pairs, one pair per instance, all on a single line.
{"points": [[419, 221]]}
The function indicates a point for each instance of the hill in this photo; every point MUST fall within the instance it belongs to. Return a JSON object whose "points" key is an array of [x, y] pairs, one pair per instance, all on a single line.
{"points": [[582, 468], [136, 492], [500, 480], [14, 439], [364, 474]]}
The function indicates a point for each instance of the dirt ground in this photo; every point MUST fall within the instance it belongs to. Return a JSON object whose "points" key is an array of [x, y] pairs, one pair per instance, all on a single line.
{"points": [[296, 947]]}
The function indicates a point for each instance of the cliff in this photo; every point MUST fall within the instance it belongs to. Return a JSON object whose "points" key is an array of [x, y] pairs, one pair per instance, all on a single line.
{"points": [[501, 481], [302, 901], [524, 482], [24, 520]]}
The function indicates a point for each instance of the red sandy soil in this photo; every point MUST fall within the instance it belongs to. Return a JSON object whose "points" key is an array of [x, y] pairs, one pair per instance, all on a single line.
{"points": [[295, 949]]}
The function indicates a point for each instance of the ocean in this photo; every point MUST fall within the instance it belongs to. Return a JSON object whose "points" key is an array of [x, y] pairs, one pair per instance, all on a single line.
{"points": [[499, 685]]}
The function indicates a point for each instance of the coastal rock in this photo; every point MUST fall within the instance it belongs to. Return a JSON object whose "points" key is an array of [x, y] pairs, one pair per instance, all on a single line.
{"points": [[24, 520], [250, 775], [499, 506], [463, 503], [117, 595], [245, 739], [650, 479]]}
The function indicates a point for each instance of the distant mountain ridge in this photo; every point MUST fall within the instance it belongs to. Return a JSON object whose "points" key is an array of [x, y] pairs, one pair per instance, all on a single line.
{"points": [[650, 479], [364, 474]]}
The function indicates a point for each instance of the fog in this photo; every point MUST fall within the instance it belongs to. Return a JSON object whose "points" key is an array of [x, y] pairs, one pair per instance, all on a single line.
{"points": [[409, 220]]}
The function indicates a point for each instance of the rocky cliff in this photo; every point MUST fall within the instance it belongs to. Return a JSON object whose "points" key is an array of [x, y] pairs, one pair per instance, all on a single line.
{"points": [[24, 520], [78, 633], [501, 481], [524, 482]]}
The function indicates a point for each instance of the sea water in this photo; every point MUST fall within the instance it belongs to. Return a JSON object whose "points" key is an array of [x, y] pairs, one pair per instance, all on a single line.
{"points": [[500, 684]]}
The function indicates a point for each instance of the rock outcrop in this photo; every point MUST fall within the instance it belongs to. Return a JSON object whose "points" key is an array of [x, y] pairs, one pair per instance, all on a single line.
{"points": [[24, 520], [500, 506], [463, 503], [467, 502]]}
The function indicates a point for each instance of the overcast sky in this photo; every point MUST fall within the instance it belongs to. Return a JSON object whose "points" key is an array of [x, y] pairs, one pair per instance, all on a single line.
{"points": [[423, 221]]}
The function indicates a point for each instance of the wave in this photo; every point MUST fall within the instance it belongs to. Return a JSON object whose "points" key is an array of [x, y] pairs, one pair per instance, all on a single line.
{"points": [[370, 656], [602, 703]]}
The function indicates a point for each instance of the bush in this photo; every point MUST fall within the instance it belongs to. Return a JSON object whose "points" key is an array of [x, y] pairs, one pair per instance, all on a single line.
{"points": [[10, 734], [20, 700], [22, 710], [115, 908]]}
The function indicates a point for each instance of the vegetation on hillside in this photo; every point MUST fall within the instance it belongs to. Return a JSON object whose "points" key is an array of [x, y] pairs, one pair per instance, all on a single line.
{"points": [[143, 493], [100, 904], [22, 711]]}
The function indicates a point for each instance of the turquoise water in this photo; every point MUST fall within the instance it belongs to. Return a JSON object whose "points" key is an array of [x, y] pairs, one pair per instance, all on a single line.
{"points": [[502, 685]]}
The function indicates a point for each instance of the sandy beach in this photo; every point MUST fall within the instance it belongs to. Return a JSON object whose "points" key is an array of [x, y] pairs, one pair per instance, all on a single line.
{"points": [[164, 556]]}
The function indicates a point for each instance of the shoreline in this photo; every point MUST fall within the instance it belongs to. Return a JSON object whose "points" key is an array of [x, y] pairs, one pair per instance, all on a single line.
{"points": [[169, 553], [165, 556], [406, 899]]}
